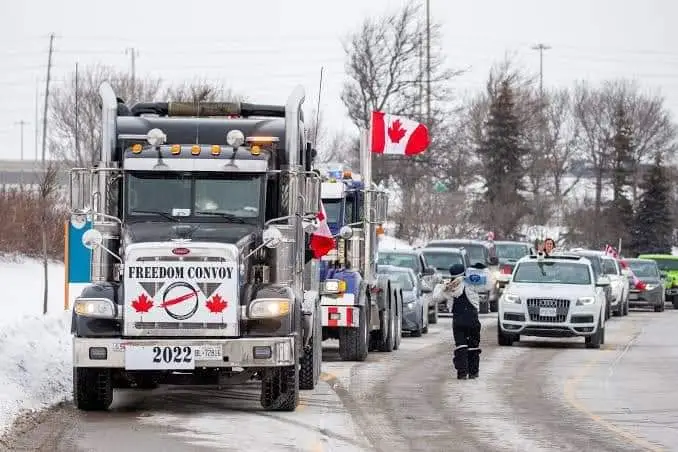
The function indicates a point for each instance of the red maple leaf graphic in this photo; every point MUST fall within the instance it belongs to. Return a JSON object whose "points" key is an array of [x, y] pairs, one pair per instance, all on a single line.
{"points": [[142, 303], [396, 131], [216, 304]]}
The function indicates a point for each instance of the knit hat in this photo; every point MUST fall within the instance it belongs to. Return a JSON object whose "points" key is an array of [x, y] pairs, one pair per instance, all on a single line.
{"points": [[457, 270]]}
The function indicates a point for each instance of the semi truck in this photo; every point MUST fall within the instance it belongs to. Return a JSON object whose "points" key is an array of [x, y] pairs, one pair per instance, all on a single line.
{"points": [[200, 268], [359, 307]]}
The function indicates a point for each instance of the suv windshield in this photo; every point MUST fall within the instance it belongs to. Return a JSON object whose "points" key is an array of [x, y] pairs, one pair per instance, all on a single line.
{"points": [[644, 269], [195, 195], [398, 260], [442, 261], [507, 251], [552, 272], [477, 253], [609, 267], [667, 265], [403, 278]]}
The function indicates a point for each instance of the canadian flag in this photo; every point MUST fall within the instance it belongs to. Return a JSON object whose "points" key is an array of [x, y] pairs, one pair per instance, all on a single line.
{"points": [[397, 135], [321, 241]]}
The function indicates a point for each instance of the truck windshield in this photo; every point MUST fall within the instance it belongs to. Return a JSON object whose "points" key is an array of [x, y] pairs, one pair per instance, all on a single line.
{"points": [[195, 195], [333, 210]]}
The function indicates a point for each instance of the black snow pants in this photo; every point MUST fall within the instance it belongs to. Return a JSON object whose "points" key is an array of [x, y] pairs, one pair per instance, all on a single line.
{"points": [[467, 347]]}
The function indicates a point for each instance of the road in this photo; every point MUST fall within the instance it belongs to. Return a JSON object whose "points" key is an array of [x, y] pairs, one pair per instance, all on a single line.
{"points": [[536, 395]]}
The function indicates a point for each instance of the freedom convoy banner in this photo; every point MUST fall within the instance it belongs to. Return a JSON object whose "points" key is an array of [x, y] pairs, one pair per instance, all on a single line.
{"points": [[193, 292]]}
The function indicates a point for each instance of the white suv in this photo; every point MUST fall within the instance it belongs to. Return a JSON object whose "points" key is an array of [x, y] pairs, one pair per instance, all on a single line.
{"points": [[553, 296]]}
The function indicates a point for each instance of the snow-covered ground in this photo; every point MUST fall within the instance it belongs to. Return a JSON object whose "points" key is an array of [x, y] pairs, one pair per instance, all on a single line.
{"points": [[35, 350]]}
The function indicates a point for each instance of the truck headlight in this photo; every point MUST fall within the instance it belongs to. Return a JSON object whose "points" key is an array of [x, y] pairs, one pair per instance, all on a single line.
{"points": [[269, 308], [98, 308], [585, 301], [334, 286], [512, 298]]}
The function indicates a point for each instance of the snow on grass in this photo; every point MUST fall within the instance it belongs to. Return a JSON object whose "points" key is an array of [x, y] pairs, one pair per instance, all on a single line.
{"points": [[388, 242], [35, 350]]}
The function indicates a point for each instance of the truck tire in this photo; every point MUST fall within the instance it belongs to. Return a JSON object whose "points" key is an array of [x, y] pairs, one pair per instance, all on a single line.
{"points": [[310, 362], [280, 389], [92, 388], [389, 329], [353, 342]]}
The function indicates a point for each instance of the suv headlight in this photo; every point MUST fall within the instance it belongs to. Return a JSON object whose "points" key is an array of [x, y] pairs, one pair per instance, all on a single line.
{"points": [[650, 286], [512, 298], [97, 308], [334, 286], [585, 301], [269, 308]]}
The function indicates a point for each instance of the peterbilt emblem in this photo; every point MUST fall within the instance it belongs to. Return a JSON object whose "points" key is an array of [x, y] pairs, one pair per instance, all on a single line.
{"points": [[180, 300]]}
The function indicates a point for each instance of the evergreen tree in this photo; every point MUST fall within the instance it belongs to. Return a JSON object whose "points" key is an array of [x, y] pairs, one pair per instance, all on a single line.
{"points": [[620, 211], [502, 158], [653, 223]]}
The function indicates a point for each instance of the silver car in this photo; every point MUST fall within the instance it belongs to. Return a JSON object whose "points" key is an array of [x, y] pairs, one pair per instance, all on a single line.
{"points": [[415, 318]]}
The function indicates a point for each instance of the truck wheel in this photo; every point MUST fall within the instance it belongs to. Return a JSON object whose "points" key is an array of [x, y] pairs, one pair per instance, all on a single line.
{"points": [[389, 331], [280, 389], [626, 308], [433, 316], [503, 339], [353, 342], [595, 340], [92, 388], [399, 325], [310, 362]]}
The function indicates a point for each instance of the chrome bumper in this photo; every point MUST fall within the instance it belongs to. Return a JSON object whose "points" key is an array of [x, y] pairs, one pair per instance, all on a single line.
{"points": [[235, 352]]}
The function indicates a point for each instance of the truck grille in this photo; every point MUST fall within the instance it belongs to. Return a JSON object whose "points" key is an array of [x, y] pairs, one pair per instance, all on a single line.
{"points": [[181, 259], [561, 305], [176, 325]]}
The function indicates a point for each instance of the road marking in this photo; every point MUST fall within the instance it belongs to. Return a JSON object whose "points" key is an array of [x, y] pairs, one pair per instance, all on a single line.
{"points": [[569, 393]]}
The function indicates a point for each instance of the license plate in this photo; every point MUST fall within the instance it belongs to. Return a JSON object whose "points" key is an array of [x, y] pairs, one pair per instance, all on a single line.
{"points": [[548, 312], [633, 296], [168, 357]]}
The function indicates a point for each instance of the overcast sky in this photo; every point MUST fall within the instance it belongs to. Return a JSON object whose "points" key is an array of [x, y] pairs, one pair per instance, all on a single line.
{"points": [[263, 48]]}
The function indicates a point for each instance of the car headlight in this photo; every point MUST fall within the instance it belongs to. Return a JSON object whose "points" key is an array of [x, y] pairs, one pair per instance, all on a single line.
{"points": [[584, 301], [650, 286], [334, 286], [98, 308], [411, 305], [269, 308], [512, 298]]}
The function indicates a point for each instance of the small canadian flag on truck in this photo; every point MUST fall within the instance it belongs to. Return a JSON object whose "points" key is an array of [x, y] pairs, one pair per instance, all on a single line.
{"points": [[397, 135]]}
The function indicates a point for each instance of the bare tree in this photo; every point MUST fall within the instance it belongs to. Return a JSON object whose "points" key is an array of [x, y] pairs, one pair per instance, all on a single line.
{"points": [[47, 191], [200, 90], [80, 143]]}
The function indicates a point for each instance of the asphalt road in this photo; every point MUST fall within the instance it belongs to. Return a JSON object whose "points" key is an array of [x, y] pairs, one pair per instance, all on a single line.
{"points": [[536, 395]]}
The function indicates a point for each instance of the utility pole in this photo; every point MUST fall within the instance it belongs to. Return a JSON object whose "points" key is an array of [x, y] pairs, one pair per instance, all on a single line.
{"points": [[77, 108], [132, 52], [428, 63], [37, 117], [21, 124], [49, 75], [541, 47]]}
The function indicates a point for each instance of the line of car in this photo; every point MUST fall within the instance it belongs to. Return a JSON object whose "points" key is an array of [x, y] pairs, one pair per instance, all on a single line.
{"points": [[531, 292]]}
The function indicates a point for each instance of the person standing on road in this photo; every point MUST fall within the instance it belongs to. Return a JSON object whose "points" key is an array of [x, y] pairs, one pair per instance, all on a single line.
{"points": [[465, 321]]}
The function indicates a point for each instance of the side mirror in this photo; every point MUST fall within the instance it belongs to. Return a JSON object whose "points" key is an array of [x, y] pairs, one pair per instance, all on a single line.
{"points": [[479, 266], [494, 260], [428, 271], [272, 237], [346, 232], [92, 239], [426, 287], [603, 281]]}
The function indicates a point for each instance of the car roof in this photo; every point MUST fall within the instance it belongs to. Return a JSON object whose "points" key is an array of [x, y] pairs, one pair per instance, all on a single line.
{"points": [[444, 249], [587, 253], [658, 256], [433, 243], [400, 251], [639, 259], [511, 242]]}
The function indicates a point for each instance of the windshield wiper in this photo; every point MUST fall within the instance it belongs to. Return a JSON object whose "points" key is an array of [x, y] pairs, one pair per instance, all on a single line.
{"points": [[228, 216], [155, 212]]}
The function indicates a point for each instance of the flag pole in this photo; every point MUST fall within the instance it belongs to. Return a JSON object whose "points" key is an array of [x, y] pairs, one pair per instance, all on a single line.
{"points": [[619, 247]]}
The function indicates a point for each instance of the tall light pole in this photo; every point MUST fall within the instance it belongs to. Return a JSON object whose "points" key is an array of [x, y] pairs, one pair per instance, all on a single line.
{"points": [[21, 124], [428, 63]]}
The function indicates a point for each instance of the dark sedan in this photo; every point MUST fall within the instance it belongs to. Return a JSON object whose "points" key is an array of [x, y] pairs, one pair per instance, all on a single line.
{"points": [[652, 294]]}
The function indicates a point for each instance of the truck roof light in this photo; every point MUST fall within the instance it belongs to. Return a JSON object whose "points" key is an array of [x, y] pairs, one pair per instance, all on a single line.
{"points": [[175, 149], [136, 149], [195, 149], [156, 137], [255, 150], [262, 140], [347, 174], [216, 149], [380, 230], [235, 138]]}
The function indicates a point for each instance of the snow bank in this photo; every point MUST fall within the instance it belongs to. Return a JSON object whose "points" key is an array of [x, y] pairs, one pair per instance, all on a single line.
{"points": [[387, 242], [35, 350]]}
